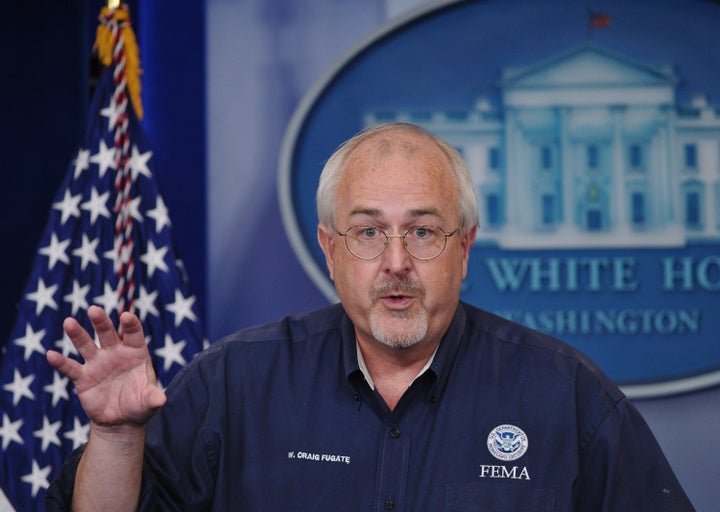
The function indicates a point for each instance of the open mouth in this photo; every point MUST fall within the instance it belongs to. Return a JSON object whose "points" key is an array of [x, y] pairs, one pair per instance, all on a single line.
{"points": [[397, 294], [397, 300]]}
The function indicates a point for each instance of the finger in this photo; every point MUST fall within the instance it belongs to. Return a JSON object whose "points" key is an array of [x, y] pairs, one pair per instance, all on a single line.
{"points": [[68, 367], [132, 330], [104, 328], [80, 338]]}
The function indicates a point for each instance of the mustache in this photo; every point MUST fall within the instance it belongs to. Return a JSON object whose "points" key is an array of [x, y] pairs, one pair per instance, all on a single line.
{"points": [[399, 286]]}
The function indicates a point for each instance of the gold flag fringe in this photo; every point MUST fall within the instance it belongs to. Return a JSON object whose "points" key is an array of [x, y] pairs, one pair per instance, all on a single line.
{"points": [[105, 47]]}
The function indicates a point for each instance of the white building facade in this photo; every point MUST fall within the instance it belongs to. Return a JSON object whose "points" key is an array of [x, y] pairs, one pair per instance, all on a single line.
{"points": [[588, 149]]}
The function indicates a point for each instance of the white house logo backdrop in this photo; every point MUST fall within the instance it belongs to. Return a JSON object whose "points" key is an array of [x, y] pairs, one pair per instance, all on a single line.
{"points": [[594, 143]]}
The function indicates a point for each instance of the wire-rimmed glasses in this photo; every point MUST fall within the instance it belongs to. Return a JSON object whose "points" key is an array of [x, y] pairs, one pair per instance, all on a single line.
{"points": [[421, 242]]}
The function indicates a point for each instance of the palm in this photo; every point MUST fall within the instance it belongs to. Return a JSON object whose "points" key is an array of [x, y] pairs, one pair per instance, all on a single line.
{"points": [[116, 384]]}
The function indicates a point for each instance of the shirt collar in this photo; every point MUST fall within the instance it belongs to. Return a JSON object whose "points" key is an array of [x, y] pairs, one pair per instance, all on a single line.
{"points": [[368, 377], [447, 352], [439, 364]]}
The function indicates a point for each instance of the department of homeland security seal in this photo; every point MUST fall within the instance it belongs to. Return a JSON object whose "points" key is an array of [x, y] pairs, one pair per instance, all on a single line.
{"points": [[507, 442]]}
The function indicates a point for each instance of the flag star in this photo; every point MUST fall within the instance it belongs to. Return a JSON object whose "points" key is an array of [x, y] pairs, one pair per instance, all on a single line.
{"points": [[43, 297], [79, 433], [145, 303], [38, 478], [81, 162], [9, 431], [31, 342], [154, 258], [58, 388], [138, 163], [96, 205], [20, 387], [68, 206], [160, 214], [104, 158], [171, 352], [109, 299], [182, 308], [56, 251], [48, 433], [65, 345], [114, 254], [87, 251], [112, 113], [134, 209], [77, 297]]}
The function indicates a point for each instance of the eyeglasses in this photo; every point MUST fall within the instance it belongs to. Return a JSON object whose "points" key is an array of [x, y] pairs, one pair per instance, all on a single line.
{"points": [[421, 242]]}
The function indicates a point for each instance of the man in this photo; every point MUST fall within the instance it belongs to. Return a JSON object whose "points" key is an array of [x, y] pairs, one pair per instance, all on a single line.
{"points": [[399, 398]]}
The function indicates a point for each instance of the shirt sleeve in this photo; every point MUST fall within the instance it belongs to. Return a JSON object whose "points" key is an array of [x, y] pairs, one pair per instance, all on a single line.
{"points": [[623, 468]]}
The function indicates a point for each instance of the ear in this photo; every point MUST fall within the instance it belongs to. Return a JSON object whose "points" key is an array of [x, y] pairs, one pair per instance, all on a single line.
{"points": [[466, 242], [326, 239]]}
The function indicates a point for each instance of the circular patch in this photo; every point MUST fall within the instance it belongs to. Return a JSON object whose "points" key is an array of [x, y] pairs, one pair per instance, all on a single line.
{"points": [[507, 442]]}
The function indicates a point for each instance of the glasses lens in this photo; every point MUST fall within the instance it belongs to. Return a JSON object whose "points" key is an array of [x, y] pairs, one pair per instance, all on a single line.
{"points": [[367, 242], [425, 242]]}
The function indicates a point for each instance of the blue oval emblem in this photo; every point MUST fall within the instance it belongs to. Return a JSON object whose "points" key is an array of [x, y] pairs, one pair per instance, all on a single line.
{"points": [[594, 142]]}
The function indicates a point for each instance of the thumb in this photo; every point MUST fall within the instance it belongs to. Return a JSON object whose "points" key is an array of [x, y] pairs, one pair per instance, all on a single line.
{"points": [[154, 398]]}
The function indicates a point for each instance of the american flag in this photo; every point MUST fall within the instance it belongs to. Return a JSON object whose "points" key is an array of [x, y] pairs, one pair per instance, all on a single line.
{"points": [[107, 242]]}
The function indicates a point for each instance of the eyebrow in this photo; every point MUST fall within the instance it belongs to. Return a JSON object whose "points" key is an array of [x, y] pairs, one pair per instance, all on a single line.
{"points": [[413, 213]]}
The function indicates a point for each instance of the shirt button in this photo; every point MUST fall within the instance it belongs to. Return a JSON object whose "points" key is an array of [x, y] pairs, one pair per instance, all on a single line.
{"points": [[395, 433], [389, 504]]}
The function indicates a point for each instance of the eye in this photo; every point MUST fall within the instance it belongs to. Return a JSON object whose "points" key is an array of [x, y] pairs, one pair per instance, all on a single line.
{"points": [[422, 233], [368, 232]]}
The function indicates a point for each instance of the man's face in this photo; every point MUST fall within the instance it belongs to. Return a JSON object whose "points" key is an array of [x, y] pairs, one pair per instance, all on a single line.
{"points": [[395, 185]]}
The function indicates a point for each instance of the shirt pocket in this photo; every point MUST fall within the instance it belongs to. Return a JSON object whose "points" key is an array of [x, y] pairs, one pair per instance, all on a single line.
{"points": [[480, 497]]}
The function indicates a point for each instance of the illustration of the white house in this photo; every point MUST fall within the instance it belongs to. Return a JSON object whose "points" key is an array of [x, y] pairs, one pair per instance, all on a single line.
{"points": [[588, 149]]}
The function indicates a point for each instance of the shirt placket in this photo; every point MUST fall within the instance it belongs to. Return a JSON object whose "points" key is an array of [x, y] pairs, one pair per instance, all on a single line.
{"points": [[393, 466]]}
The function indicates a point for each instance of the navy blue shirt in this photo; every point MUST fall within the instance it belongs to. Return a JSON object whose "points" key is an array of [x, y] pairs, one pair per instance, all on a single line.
{"points": [[279, 417]]}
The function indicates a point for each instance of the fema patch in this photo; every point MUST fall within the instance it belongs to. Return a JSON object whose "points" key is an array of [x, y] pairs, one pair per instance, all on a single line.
{"points": [[507, 442]]}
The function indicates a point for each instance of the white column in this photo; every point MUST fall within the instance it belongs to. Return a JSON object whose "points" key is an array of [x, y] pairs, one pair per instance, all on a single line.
{"points": [[567, 169], [620, 220]]}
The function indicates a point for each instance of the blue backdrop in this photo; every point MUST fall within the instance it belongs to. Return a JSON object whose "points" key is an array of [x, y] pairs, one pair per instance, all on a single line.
{"points": [[221, 81]]}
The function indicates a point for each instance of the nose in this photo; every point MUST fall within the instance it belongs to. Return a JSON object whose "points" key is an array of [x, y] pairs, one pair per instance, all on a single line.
{"points": [[396, 258]]}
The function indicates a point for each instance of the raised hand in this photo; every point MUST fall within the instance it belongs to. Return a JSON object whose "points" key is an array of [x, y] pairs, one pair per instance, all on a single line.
{"points": [[116, 384]]}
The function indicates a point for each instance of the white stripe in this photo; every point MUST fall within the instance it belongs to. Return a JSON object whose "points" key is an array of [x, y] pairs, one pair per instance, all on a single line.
{"points": [[5, 504]]}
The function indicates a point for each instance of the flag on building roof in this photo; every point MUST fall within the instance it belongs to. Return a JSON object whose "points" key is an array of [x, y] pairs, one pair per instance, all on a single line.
{"points": [[107, 242], [598, 19]]}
